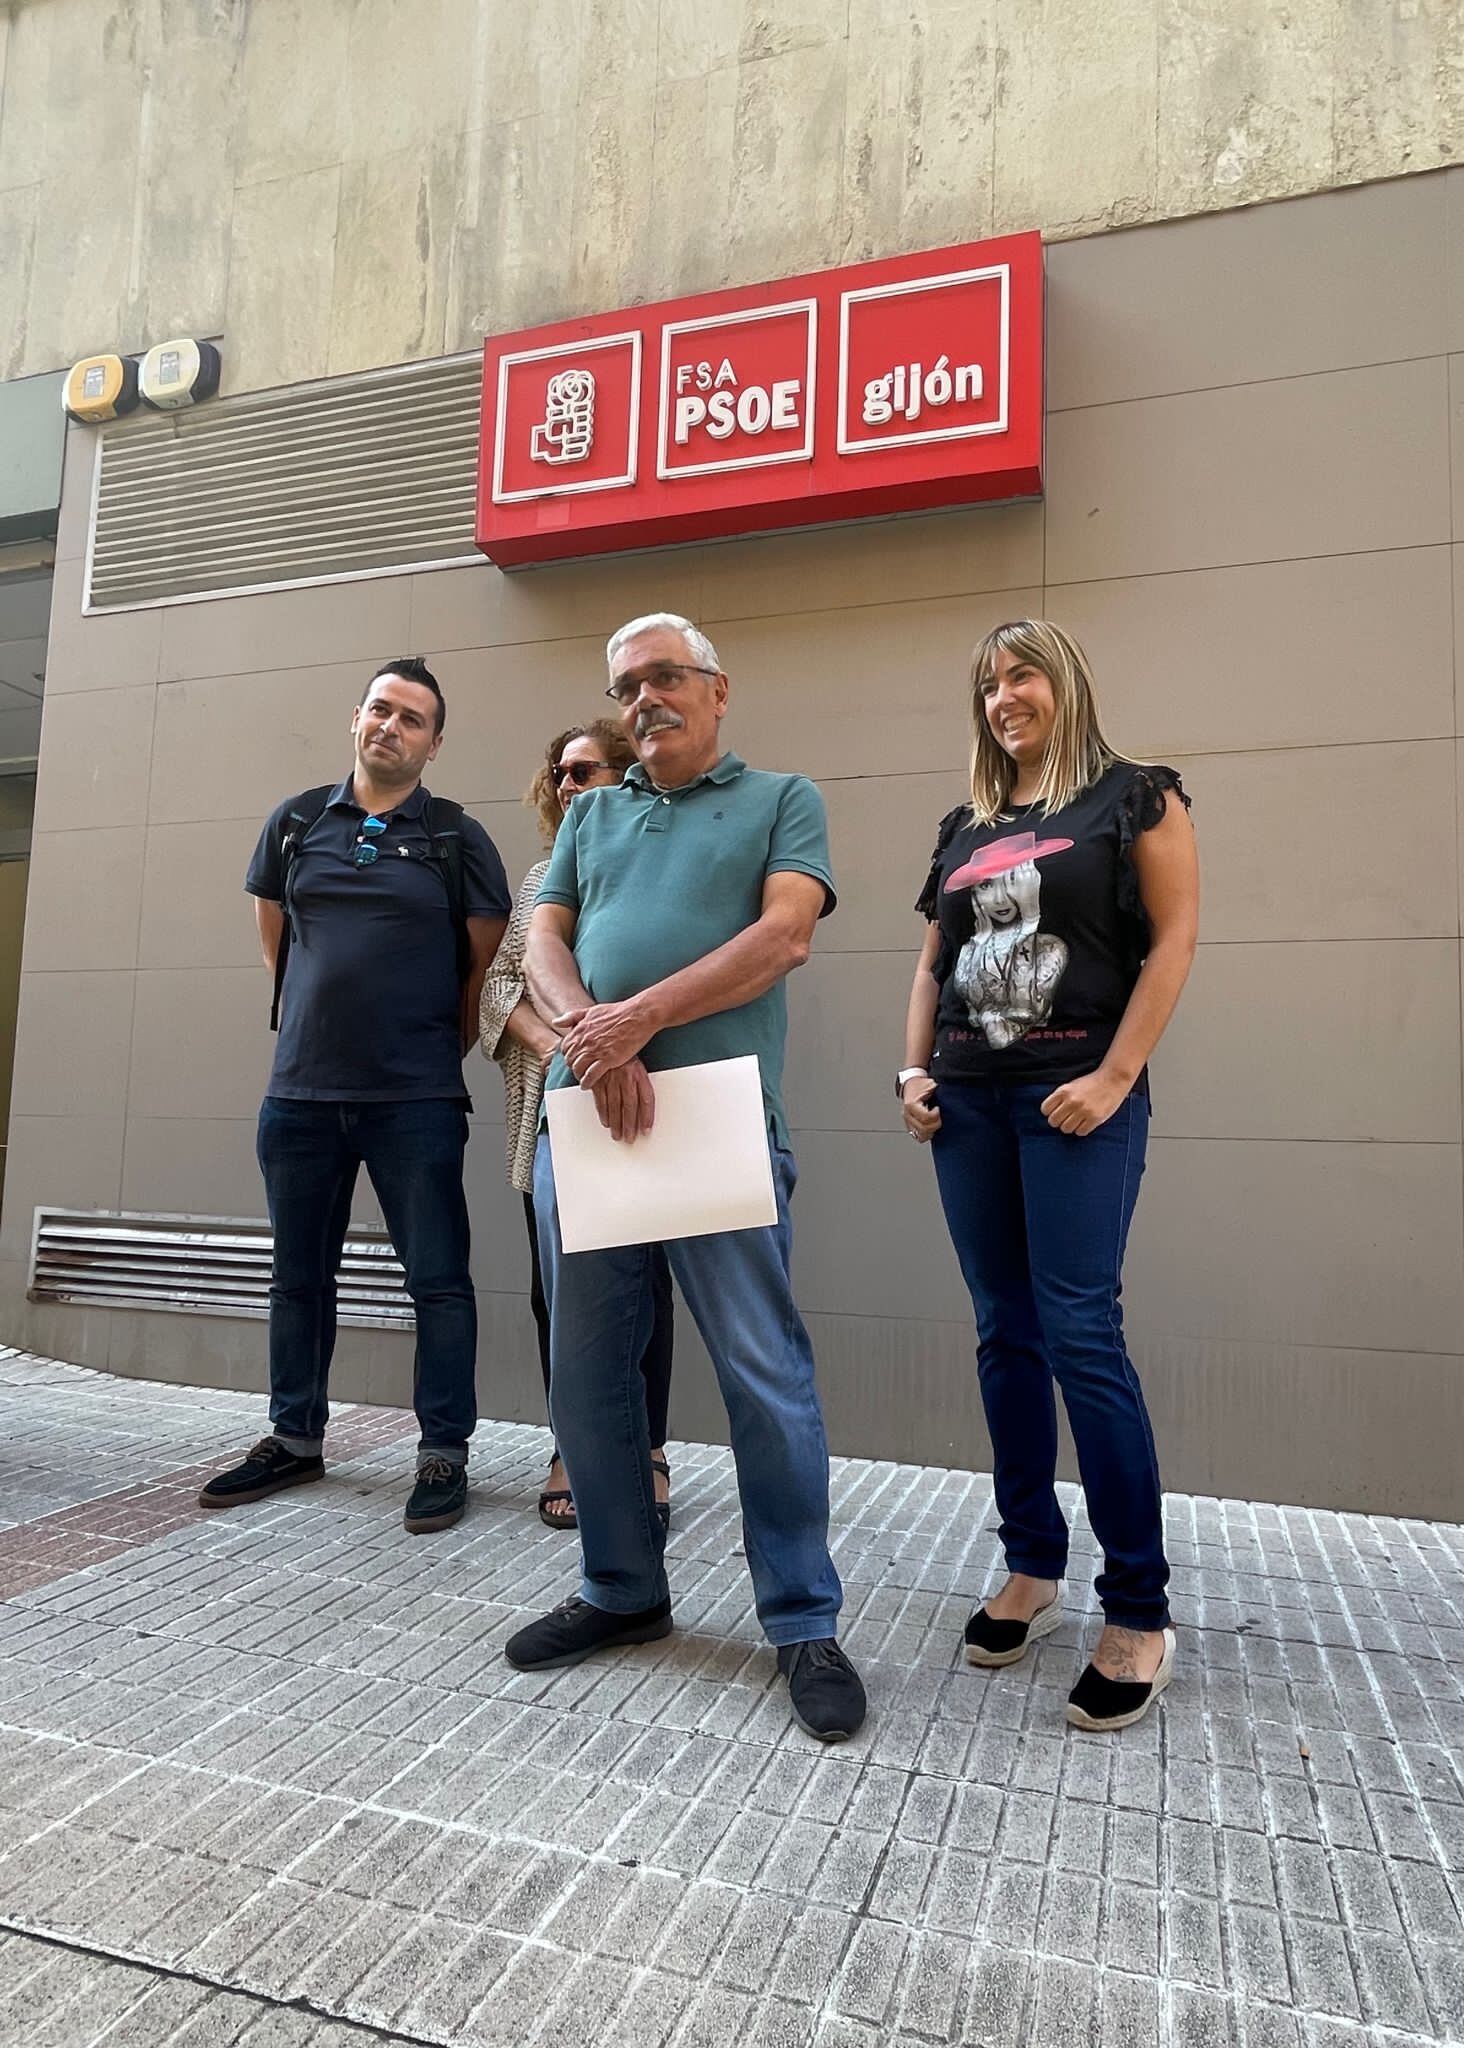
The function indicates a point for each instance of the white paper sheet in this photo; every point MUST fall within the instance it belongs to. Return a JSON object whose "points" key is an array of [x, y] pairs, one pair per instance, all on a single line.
{"points": [[704, 1166]]}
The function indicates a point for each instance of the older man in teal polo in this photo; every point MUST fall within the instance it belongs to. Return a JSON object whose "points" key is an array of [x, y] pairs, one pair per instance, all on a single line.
{"points": [[674, 908]]}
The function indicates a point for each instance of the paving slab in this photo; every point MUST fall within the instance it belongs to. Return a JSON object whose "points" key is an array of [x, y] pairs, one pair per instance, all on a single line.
{"points": [[267, 1778]]}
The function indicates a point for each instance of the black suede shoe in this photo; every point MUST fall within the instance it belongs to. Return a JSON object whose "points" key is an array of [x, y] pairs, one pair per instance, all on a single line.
{"points": [[574, 1630], [439, 1498], [992, 1643], [269, 1468], [1099, 1703], [825, 1689]]}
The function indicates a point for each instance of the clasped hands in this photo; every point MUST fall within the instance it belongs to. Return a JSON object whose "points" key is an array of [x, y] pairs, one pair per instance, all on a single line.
{"points": [[600, 1045]]}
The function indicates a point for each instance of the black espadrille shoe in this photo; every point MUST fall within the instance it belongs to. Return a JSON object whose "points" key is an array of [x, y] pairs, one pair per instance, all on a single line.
{"points": [[993, 1643], [1099, 1703]]}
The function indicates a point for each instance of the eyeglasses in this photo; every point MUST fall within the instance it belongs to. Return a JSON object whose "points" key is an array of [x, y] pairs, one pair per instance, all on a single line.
{"points": [[579, 772], [366, 848], [667, 676]]}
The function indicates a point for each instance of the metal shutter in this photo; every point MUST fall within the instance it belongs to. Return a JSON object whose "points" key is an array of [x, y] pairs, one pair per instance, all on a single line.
{"points": [[277, 487], [198, 1265]]}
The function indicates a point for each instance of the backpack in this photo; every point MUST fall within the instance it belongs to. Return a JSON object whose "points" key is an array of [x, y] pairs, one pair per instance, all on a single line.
{"points": [[443, 821]]}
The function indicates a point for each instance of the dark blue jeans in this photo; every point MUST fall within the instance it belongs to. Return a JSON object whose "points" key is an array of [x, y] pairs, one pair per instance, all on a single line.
{"points": [[1039, 1222], [310, 1153]]}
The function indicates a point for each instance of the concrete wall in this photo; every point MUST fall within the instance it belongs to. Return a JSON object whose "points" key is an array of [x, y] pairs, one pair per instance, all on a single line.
{"points": [[1255, 520], [336, 184]]}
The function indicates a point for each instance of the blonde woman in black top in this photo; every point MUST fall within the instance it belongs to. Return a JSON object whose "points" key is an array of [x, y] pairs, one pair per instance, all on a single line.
{"points": [[1062, 906]]}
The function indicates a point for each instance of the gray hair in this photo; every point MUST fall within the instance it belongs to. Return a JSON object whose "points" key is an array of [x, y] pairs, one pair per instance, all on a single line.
{"points": [[698, 646]]}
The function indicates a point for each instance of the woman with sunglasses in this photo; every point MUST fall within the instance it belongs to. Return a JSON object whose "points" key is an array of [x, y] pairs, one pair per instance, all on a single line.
{"points": [[1061, 905], [513, 1033]]}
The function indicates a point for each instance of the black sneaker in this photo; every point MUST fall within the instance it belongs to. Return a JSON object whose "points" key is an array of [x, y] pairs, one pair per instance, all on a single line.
{"points": [[574, 1630], [269, 1468], [439, 1498], [828, 1698]]}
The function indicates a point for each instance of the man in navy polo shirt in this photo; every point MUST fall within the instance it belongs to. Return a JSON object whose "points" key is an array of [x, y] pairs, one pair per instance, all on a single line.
{"points": [[673, 910], [378, 1005]]}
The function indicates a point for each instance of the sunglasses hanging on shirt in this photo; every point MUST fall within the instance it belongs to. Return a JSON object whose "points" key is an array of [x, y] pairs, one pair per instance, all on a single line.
{"points": [[366, 849]]}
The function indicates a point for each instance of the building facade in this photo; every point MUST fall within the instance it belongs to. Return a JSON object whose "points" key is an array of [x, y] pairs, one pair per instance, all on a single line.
{"points": [[1253, 518]]}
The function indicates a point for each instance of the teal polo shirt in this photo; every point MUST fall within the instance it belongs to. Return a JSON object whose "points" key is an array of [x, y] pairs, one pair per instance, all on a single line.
{"points": [[660, 878]]}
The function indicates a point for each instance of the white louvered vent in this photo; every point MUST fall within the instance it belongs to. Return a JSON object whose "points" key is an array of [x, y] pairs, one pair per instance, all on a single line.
{"points": [[198, 1265], [332, 479]]}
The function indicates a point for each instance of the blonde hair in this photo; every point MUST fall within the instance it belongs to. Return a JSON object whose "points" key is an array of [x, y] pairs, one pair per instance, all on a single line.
{"points": [[542, 797], [1077, 754]]}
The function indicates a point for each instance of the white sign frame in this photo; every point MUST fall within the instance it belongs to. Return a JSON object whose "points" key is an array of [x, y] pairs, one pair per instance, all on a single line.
{"points": [[600, 343], [859, 444], [666, 472]]}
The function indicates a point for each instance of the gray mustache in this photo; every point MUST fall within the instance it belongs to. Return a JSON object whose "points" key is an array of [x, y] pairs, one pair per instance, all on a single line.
{"points": [[656, 721]]}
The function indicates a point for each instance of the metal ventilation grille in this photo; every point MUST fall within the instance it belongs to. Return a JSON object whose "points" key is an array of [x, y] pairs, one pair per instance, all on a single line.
{"points": [[197, 1265], [333, 479]]}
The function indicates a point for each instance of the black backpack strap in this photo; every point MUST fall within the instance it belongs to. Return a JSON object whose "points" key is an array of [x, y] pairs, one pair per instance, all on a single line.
{"points": [[444, 822], [300, 814]]}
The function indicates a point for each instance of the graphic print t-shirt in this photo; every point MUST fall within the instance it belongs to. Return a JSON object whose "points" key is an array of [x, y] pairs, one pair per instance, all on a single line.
{"points": [[1042, 930]]}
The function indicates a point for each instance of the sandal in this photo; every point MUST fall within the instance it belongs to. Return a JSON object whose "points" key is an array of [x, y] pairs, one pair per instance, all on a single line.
{"points": [[569, 1521], [663, 1507]]}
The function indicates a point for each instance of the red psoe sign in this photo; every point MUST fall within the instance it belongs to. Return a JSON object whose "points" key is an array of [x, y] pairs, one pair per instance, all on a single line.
{"points": [[887, 387]]}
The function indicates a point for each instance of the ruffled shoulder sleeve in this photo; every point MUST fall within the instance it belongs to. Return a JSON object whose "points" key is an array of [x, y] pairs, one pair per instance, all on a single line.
{"points": [[928, 901], [1140, 808]]}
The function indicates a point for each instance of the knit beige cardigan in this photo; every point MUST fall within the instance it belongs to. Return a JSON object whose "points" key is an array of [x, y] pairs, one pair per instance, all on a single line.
{"points": [[523, 1074]]}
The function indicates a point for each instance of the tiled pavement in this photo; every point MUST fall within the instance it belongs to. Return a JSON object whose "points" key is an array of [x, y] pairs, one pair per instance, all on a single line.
{"points": [[266, 1778]]}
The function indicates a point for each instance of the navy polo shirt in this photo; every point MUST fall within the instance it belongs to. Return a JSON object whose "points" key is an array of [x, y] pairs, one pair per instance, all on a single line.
{"points": [[371, 1009]]}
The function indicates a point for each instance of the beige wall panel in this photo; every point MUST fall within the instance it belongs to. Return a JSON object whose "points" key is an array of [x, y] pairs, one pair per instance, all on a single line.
{"points": [[1399, 74], [895, 561], [223, 1008], [1352, 1040], [1245, 102], [1333, 464], [611, 254], [922, 76], [1078, 155], [192, 1166], [500, 1240], [695, 129], [275, 734], [1281, 654], [115, 651], [901, 705], [1289, 848], [477, 605], [84, 897], [1453, 184], [903, 1388], [72, 1044], [533, 58], [514, 222], [510, 825], [64, 1162], [507, 703], [783, 187], [1352, 1245], [292, 109], [320, 624], [1325, 283], [383, 309], [216, 1351], [407, 79], [869, 1238], [78, 466], [1456, 440], [846, 1030], [17, 252], [95, 749], [1326, 1428], [281, 271], [194, 909], [188, 117], [80, 1336], [881, 834]]}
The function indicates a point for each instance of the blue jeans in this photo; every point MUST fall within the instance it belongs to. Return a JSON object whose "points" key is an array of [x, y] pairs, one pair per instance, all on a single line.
{"points": [[309, 1153], [737, 1288], [1039, 1222]]}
